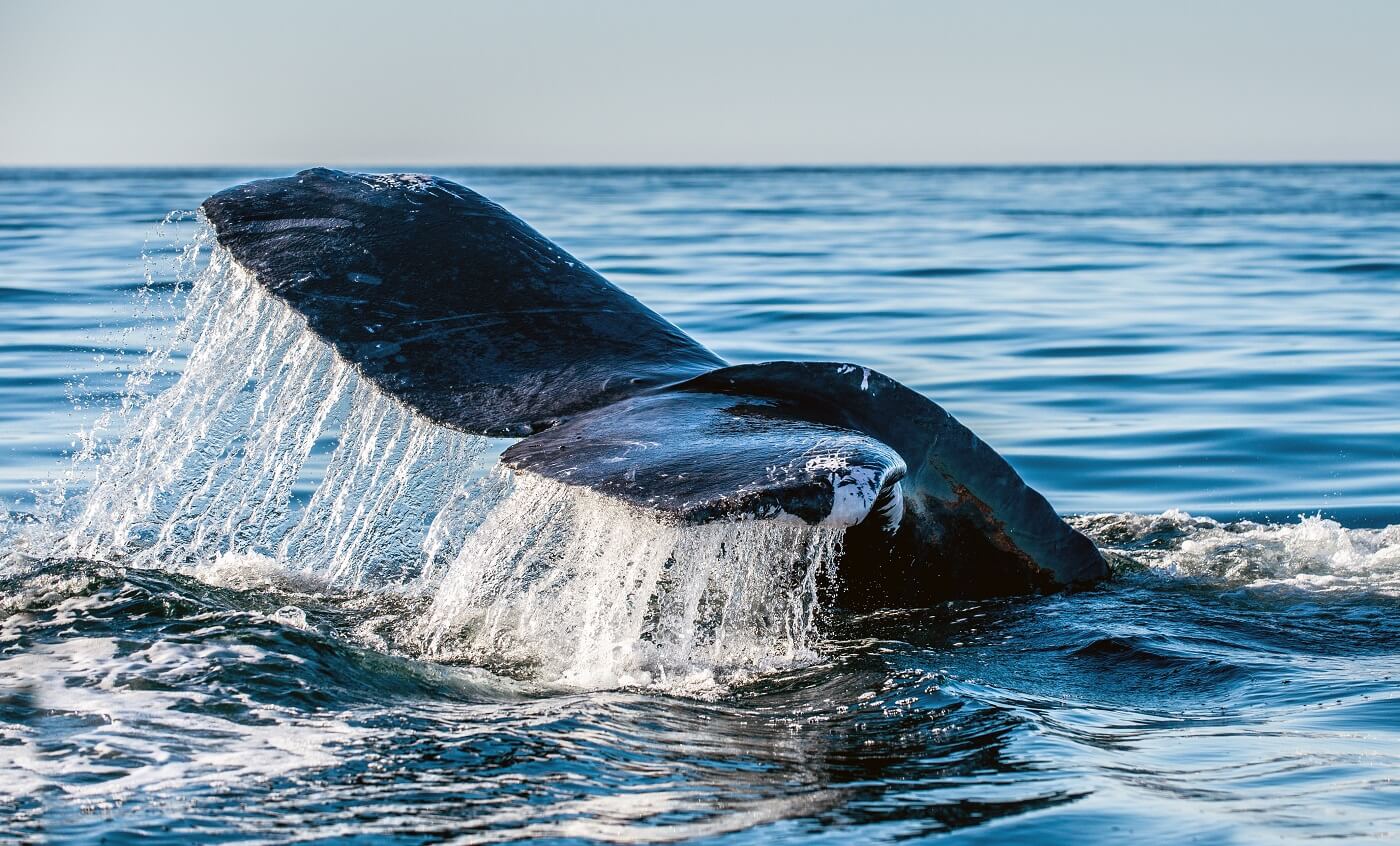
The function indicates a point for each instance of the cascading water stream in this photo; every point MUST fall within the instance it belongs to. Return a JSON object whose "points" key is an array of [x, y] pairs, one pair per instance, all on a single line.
{"points": [[598, 594], [209, 466]]}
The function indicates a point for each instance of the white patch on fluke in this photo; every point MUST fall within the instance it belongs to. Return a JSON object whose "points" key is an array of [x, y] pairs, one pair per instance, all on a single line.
{"points": [[854, 494], [854, 488]]}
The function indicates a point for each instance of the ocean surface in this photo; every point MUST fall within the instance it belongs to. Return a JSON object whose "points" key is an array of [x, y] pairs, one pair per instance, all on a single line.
{"points": [[244, 599]]}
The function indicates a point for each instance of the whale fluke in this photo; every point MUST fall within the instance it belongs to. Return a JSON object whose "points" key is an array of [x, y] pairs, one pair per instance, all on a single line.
{"points": [[458, 309], [447, 301]]}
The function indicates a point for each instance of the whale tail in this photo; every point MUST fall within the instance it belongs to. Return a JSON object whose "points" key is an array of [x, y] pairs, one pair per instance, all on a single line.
{"points": [[450, 304]]}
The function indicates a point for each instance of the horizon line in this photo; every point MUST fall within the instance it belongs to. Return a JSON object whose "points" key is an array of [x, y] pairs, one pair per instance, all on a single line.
{"points": [[836, 165]]}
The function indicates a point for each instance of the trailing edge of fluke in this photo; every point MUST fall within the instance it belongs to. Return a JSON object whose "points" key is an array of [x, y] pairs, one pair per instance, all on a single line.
{"points": [[457, 308]]}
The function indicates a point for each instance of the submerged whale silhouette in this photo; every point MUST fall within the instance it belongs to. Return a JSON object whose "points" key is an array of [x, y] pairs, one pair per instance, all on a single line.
{"points": [[457, 308]]}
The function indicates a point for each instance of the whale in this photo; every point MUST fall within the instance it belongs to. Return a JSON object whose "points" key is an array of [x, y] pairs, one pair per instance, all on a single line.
{"points": [[460, 311]]}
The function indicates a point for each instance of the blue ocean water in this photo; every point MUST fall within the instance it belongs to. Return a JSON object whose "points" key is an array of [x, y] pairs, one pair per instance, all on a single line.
{"points": [[1200, 363]]}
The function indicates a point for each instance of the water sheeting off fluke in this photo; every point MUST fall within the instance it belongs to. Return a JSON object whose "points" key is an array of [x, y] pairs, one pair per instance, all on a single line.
{"points": [[271, 458], [598, 593], [262, 407]]}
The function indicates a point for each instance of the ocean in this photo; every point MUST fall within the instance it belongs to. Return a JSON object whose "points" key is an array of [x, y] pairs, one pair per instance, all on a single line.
{"points": [[1199, 366]]}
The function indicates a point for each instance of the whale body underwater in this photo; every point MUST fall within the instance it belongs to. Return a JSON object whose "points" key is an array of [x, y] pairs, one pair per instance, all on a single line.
{"points": [[462, 312]]}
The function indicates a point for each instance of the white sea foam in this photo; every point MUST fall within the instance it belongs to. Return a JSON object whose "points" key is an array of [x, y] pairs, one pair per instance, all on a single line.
{"points": [[1313, 554]]}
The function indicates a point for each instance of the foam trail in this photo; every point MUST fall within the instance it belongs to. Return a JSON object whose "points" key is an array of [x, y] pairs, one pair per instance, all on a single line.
{"points": [[595, 593]]}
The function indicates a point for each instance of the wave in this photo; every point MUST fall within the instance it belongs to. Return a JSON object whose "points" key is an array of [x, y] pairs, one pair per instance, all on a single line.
{"points": [[1314, 554], [1377, 268]]}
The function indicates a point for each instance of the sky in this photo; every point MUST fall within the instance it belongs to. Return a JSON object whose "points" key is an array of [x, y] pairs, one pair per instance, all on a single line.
{"points": [[415, 82]]}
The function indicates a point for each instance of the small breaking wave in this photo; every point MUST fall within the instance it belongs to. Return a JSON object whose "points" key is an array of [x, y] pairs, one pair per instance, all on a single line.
{"points": [[1314, 554]]}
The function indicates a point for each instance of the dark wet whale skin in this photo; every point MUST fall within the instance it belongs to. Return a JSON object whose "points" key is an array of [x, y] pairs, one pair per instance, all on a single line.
{"points": [[451, 304], [448, 301]]}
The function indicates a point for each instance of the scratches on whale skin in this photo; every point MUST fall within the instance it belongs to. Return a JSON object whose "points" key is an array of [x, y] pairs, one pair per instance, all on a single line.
{"points": [[268, 227]]}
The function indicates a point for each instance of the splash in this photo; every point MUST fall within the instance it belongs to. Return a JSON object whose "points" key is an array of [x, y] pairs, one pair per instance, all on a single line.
{"points": [[271, 460]]}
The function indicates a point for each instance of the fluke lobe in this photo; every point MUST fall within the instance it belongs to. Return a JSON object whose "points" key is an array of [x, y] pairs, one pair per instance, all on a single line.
{"points": [[458, 309]]}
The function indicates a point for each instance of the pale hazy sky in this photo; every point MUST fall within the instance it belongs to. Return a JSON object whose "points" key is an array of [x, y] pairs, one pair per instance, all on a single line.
{"points": [[605, 81]]}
